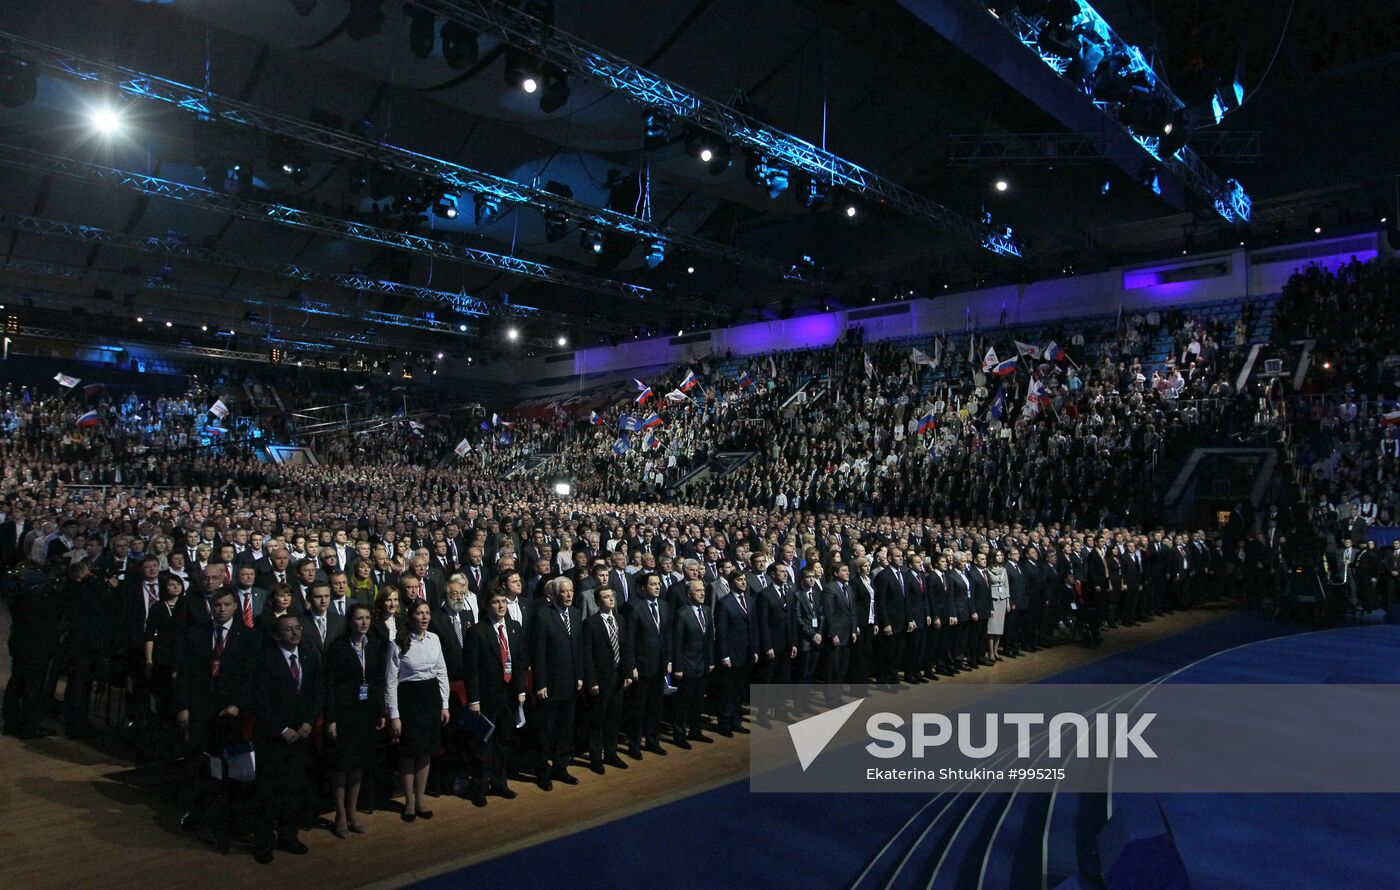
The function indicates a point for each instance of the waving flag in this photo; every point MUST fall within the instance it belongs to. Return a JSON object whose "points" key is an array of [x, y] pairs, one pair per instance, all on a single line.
{"points": [[620, 446], [772, 367], [1038, 393], [629, 423], [650, 442], [462, 448], [998, 407], [989, 361], [643, 391], [1390, 418], [921, 358], [506, 437], [1005, 366], [65, 381], [219, 409], [675, 397], [690, 381], [416, 427], [1053, 352], [869, 368], [495, 420], [89, 419], [486, 425], [652, 420], [594, 419], [926, 423], [937, 352], [972, 349], [745, 382], [1027, 349]]}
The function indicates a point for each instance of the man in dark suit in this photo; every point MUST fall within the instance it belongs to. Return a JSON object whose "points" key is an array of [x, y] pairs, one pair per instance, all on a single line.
{"points": [[811, 632], [981, 579], [287, 699], [736, 651], [250, 597], [607, 674], [210, 688], [1033, 576], [12, 532], [133, 601], [619, 580], [1130, 565], [87, 633], [475, 570], [556, 656], [891, 617], [916, 602], [278, 571], [320, 625], [496, 660], [940, 608], [649, 637], [842, 624], [960, 619], [693, 651], [302, 580], [452, 622]]}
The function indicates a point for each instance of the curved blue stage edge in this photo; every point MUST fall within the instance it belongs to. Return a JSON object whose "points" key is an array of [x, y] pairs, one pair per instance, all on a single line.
{"points": [[731, 837]]}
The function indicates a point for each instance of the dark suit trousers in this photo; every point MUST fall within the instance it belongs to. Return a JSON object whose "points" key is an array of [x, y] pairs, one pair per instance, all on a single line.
{"points": [[734, 683], [26, 700], [889, 655], [644, 701], [690, 707], [491, 757], [283, 789], [914, 650], [83, 669], [777, 669], [556, 726], [861, 653], [604, 717], [838, 664]]}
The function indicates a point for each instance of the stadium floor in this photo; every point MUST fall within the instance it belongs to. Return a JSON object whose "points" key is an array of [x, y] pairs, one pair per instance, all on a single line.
{"points": [[80, 813], [727, 835]]}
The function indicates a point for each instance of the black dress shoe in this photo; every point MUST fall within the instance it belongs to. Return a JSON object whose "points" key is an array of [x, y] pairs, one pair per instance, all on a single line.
{"points": [[682, 743], [743, 730], [189, 820], [562, 775], [634, 752], [655, 748], [544, 783], [505, 792], [293, 846], [615, 762], [478, 798], [408, 817], [596, 767], [726, 733], [262, 856], [699, 737]]}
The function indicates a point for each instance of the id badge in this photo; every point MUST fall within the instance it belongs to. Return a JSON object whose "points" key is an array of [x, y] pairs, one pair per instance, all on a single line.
{"points": [[364, 692]]}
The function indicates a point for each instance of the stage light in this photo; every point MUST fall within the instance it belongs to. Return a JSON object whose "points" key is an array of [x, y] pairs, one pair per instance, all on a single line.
{"points": [[1317, 230], [709, 149], [851, 211], [657, 130], [1002, 185], [169, 324], [555, 93], [486, 208], [512, 334], [1106, 187], [445, 206], [295, 170], [562, 341], [439, 355], [1174, 134], [459, 46], [462, 328], [105, 120], [690, 270], [591, 240], [656, 254], [706, 154], [422, 31], [521, 73], [204, 327], [140, 320], [563, 489], [814, 195]]}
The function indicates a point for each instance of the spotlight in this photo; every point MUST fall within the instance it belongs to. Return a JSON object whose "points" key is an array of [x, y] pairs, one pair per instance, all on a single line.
{"points": [[462, 328], [364, 19], [170, 324], [445, 206], [1002, 185], [656, 254], [105, 120], [295, 170], [1174, 133], [690, 270], [521, 73], [708, 149], [1106, 187], [657, 131], [1317, 230], [459, 46], [761, 171], [562, 341], [19, 82], [422, 31], [591, 240], [439, 355], [555, 93], [851, 211], [485, 208], [563, 489], [512, 334], [204, 327], [814, 196], [140, 320]]}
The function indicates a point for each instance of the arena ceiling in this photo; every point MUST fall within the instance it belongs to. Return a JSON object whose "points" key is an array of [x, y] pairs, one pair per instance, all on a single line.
{"points": [[868, 80]]}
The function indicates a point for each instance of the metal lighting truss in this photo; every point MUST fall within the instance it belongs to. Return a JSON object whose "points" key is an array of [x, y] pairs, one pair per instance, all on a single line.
{"points": [[306, 220], [1228, 197], [452, 176], [552, 46], [363, 284], [1038, 149]]}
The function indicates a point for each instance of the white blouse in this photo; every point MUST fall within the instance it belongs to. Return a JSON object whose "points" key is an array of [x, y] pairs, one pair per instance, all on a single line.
{"points": [[422, 661]]}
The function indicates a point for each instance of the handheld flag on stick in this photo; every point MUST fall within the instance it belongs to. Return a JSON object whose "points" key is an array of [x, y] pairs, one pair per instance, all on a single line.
{"points": [[219, 409], [643, 391], [998, 407], [594, 419], [629, 423], [89, 419], [989, 361], [620, 446], [651, 421], [675, 397], [1005, 366], [1027, 349], [745, 382], [921, 358], [93, 390], [926, 423], [1054, 352], [690, 381], [65, 381], [462, 448], [869, 368], [650, 442]]}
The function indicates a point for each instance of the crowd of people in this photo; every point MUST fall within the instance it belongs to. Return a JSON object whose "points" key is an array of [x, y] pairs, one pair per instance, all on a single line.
{"points": [[377, 615]]}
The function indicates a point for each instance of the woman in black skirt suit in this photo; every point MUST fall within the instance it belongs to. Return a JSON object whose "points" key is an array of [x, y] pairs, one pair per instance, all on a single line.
{"points": [[415, 698], [354, 711]]}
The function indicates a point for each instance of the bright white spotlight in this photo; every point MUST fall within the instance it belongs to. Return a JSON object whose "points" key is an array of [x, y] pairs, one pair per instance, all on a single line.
{"points": [[462, 328], [105, 120], [1167, 128], [690, 270], [706, 155], [512, 334], [140, 320], [1317, 230], [529, 85], [170, 324], [439, 356], [1003, 185], [563, 489], [204, 327], [562, 341], [851, 211]]}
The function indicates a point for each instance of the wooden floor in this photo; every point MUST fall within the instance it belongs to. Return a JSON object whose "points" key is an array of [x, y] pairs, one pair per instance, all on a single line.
{"points": [[72, 815]]}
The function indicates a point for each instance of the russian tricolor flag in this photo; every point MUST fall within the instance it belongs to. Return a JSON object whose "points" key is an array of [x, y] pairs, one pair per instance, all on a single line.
{"points": [[594, 419], [644, 391], [744, 381], [88, 419], [1053, 352], [1005, 366], [926, 423], [690, 381], [651, 421], [650, 442]]}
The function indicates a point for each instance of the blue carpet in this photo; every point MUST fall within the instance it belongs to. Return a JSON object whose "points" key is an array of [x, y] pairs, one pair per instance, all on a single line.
{"points": [[729, 836]]}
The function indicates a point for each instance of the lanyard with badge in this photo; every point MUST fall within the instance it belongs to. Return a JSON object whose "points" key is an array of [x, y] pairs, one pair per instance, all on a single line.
{"points": [[364, 680]]}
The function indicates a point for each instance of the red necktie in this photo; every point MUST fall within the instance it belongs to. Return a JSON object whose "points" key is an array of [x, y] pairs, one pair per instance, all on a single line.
{"points": [[218, 651], [247, 609], [296, 670], [152, 595], [505, 651]]}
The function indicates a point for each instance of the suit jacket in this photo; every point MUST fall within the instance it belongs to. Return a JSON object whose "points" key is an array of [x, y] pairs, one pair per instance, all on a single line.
{"points": [[556, 651], [981, 592], [736, 630], [650, 645], [599, 667], [312, 641], [777, 628], [840, 609], [342, 677], [916, 598], [259, 598], [960, 595], [486, 683], [811, 618], [1016, 586], [196, 689], [864, 595], [623, 585], [279, 701], [452, 652], [891, 608], [692, 643], [940, 596], [11, 542]]}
